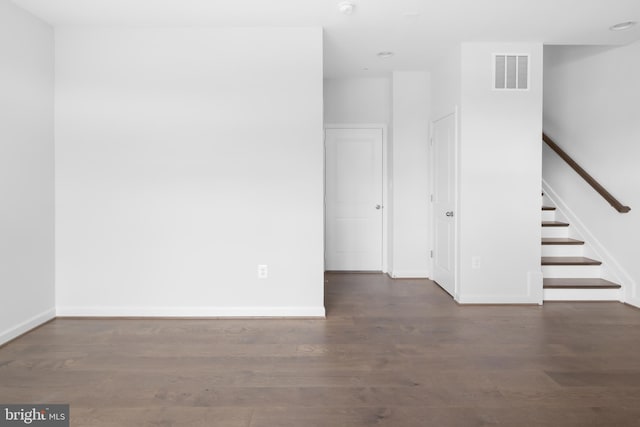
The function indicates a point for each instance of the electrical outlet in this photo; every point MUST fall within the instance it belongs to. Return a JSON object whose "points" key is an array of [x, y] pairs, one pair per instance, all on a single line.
{"points": [[263, 271], [475, 262]]}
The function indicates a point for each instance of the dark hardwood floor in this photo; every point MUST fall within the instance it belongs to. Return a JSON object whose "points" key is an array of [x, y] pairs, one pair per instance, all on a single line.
{"points": [[390, 353]]}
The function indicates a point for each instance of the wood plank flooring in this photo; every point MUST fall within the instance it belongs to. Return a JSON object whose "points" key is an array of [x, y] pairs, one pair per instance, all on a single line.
{"points": [[390, 353]]}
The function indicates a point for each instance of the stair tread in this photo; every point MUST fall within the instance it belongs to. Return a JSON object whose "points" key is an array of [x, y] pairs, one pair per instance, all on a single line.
{"points": [[579, 283], [548, 208], [561, 241], [569, 260], [554, 224]]}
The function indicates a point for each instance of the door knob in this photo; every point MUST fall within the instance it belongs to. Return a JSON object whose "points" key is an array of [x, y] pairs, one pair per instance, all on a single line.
{"points": [[378, 207], [450, 213]]}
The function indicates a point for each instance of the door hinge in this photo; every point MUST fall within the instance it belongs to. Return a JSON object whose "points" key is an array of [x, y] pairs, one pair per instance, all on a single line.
{"points": [[431, 253], [431, 197]]}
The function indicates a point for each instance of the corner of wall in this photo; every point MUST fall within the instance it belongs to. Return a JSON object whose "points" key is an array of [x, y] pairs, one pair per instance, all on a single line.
{"points": [[27, 163], [22, 328]]}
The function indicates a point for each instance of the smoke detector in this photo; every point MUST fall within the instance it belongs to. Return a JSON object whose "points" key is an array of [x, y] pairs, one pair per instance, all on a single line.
{"points": [[346, 7]]}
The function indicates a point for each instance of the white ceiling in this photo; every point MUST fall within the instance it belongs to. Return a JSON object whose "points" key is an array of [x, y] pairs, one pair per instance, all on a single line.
{"points": [[418, 31]]}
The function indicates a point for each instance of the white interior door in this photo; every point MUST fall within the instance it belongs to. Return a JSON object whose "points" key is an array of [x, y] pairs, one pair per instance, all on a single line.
{"points": [[444, 196], [353, 199]]}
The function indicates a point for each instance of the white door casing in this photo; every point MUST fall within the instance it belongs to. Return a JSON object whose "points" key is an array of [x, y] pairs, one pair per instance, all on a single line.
{"points": [[444, 203], [354, 199]]}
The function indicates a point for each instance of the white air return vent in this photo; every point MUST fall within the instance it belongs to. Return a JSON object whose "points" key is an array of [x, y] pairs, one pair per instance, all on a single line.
{"points": [[511, 72]]}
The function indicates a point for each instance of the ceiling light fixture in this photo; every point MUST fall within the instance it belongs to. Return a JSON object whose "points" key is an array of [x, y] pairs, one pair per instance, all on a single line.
{"points": [[385, 54], [346, 7], [623, 26]]}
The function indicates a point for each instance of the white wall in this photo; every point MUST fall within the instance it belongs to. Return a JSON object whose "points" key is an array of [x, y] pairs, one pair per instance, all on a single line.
{"points": [[446, 81], [410, 177], [357, 100], [185, 158], [26, 172], [500, 180], [591, 111]]}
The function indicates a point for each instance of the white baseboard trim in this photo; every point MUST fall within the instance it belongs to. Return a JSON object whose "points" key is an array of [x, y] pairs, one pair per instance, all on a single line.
{"points": [[410, 274], [27, 325], [634, 302], [612, 269], [195, 312]]}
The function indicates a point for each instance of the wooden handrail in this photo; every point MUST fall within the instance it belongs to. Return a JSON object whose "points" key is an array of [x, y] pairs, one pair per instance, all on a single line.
{"points": [[590, 180]]}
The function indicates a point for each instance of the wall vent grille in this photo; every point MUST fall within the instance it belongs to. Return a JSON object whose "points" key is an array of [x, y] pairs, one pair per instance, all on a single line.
{"points": [[511, 72]]}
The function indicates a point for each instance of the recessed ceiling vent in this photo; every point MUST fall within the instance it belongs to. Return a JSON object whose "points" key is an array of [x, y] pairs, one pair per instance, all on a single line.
{"points": [[511, 72]]}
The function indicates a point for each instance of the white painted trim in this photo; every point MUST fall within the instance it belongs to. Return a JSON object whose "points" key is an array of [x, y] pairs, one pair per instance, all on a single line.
{"points": [[355, 125], [385, 181], [634, 302], [562, 250], [582, 294], [535, 280], [456, 229], [431, 224], [410, 274], [194, 312], [27, 325], [497, 299], [612, 269], [458, 173], [568, 271]]}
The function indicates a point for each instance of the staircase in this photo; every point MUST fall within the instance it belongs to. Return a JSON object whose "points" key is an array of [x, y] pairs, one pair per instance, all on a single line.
{"points": [[568, 274]]}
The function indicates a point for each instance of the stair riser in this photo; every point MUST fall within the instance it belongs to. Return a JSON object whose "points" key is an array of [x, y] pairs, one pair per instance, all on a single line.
{"points": [[555, 231], [548, 215], [581, 295], [562, 250], [569, 271]]}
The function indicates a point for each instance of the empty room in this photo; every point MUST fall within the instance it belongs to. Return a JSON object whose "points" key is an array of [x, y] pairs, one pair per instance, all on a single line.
{"points": [[319, 213]]}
